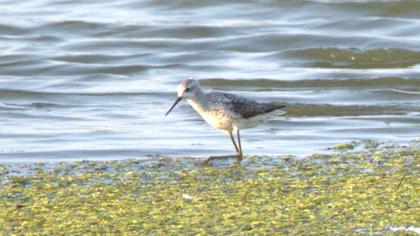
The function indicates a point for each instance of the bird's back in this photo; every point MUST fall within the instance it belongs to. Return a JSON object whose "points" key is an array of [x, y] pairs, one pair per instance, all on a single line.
{"points": [[238, 106]]}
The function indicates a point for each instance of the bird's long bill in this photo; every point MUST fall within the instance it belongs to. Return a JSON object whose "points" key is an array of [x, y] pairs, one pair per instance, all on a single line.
{"points": [[176, 102]]}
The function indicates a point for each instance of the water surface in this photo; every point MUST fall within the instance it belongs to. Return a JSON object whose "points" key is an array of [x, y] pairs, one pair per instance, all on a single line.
{"points": [[93, 80]]}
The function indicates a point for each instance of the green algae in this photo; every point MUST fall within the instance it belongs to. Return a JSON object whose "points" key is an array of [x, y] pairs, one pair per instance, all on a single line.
{"points": [[336, 193]]}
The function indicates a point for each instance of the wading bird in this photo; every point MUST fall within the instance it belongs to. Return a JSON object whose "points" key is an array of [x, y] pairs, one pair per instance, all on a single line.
{"points": [[227, 112]]}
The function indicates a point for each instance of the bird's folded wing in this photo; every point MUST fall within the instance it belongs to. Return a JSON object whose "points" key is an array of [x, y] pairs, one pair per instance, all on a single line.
{"points": [[245, 107]]}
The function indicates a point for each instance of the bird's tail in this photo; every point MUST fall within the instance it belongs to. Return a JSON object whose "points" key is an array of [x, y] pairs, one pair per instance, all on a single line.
{"points": [[276, 105]]}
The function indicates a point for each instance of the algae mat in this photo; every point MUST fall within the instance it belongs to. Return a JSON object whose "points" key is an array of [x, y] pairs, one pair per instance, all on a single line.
{"points": [[357, 188]]}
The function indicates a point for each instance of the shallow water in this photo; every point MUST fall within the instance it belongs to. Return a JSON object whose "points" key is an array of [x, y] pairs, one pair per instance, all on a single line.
{"points": [[93, 80]]}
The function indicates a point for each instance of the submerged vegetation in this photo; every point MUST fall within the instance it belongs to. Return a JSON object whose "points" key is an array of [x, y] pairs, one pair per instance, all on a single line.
{"points": [[357, 188]]}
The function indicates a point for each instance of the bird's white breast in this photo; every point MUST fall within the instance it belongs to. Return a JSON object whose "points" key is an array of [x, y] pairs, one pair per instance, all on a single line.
{"points": [[215, 118], [218, 120]]}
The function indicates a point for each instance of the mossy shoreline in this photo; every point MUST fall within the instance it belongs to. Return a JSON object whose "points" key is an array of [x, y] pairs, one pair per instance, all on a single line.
{"points": [[349, 191]]}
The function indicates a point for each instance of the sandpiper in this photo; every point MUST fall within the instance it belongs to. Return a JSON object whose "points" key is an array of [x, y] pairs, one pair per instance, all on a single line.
{"points": [[225, 111]]}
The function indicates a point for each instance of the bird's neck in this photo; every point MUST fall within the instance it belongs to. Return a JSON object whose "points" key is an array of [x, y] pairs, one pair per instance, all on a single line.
{"points": [[198, 102]]}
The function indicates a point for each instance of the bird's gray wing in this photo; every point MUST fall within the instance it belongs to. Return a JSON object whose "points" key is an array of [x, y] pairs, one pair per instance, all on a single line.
{"points": [[246, 107]]}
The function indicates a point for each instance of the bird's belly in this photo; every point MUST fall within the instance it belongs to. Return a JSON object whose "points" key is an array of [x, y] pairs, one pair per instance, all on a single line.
{"points": [[217, 120], [257, 120]]}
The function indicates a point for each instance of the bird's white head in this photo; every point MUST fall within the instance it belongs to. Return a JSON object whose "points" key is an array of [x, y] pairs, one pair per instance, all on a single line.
{"points": [[188, 89]]}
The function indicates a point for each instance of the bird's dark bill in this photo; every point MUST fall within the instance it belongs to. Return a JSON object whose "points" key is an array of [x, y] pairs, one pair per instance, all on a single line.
{"points": [[176, 102]]}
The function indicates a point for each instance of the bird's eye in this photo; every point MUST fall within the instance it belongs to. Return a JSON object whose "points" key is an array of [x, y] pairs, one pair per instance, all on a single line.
{"points": [[187, 89]]}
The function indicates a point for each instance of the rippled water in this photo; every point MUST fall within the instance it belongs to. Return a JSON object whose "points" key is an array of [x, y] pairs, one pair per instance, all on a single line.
{"points": [[92, 80]]}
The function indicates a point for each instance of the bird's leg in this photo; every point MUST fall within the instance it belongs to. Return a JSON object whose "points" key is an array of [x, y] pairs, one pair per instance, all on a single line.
{"points": [[240, 145], [238, 152], [234, 143]]}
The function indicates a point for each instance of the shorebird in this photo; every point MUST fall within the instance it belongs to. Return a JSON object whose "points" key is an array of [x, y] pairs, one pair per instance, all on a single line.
{"points": [[227, 112]]}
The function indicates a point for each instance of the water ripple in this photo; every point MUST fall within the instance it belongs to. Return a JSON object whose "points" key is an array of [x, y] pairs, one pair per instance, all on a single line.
{"points": [[93, 79]]}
